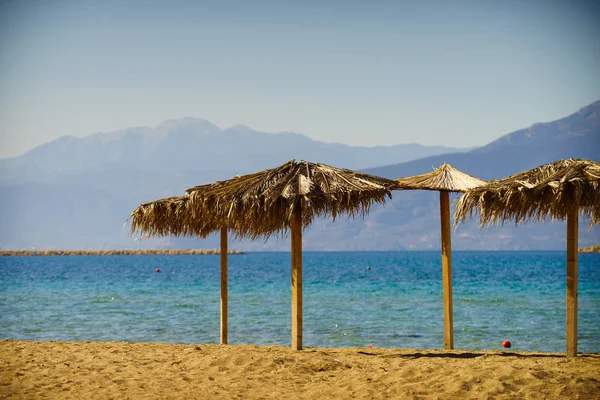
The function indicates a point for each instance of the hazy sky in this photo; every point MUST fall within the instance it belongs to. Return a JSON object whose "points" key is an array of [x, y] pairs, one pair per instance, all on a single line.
{"points": [[358, 72]]}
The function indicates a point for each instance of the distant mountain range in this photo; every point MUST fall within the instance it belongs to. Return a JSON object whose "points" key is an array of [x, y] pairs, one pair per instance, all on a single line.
{"points": [[190, 144], [75, 193], [411, 219]]}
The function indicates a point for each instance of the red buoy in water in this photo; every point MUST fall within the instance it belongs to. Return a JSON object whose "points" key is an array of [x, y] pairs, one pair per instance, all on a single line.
{"points": [[157, 270], [506, 344]]}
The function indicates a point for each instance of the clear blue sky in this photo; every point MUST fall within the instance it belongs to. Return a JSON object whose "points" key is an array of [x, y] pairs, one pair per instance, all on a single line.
{"points": [[358, 72]]}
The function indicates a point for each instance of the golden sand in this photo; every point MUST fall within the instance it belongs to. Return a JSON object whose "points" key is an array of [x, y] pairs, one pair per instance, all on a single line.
{"points": [[101, 370]]}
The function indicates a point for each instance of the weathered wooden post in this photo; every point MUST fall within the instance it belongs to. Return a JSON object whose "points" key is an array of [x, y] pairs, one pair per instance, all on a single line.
{"points": [[447, 270], [224, 292], [297, 279], [572, 277]]}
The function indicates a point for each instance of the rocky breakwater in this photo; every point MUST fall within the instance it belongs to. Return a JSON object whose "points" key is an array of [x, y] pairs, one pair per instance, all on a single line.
{"points": [[112, 252]]}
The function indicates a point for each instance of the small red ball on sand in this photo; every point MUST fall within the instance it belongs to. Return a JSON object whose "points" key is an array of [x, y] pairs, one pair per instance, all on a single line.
{"points": [[369, 347], [506, 344]]}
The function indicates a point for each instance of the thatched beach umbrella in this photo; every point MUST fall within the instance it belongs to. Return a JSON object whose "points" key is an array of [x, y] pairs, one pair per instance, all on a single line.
{"points": [[287, 199], [275, 201], [560, 190], [173, 216], [445, 179]]}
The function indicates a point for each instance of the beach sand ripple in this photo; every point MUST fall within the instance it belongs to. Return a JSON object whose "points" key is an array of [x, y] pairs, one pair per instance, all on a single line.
{"points": [[59, 370]]}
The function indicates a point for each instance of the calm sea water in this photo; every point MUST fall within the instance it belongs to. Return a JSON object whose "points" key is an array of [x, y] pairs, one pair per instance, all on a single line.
{"points": [[398, 303]]}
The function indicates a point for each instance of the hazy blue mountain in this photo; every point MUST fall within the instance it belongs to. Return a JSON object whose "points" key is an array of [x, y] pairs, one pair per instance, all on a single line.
{"points": [[65, 216], [77, 192], [411, 219], [580, 128], [192, 144]]}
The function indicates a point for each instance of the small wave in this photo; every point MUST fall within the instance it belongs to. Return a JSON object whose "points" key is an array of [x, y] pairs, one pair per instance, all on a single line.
{"points": [[186, 305], [121, 312], [480, 300], [405, 335]]}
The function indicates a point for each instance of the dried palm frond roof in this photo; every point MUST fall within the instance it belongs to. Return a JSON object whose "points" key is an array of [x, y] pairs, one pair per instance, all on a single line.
{"points": [[550, 190], [263, 203], [444, 178], [170, 216]]}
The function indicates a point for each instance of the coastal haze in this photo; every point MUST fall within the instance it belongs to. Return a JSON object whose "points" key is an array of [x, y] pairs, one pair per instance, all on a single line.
{"points": [[183, 93], [76, 193]]}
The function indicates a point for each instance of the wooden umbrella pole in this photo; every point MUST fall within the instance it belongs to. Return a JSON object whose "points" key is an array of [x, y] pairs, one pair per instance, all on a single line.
{"points": [[572, 277], [296, 225], [447, 270], [224, 293]]}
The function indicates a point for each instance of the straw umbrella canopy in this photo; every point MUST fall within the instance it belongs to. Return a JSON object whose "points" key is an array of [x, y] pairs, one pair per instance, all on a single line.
{"points": [[445, 179], [559, 190], [275, 201], [264, 203]]}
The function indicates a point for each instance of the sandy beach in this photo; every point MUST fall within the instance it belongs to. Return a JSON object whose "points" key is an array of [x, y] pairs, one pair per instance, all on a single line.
{"points": [[112, 370]]}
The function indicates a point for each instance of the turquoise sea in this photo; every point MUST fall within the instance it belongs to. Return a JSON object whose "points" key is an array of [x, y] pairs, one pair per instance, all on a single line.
{"points": [[518, 296]]}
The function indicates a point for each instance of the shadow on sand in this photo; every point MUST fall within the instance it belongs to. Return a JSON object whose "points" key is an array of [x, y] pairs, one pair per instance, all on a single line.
{"points": [[468, 355]]}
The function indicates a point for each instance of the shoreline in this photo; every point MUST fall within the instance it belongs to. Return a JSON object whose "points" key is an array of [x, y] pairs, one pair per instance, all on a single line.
{"points": [[32, 369], [8, 253]]}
